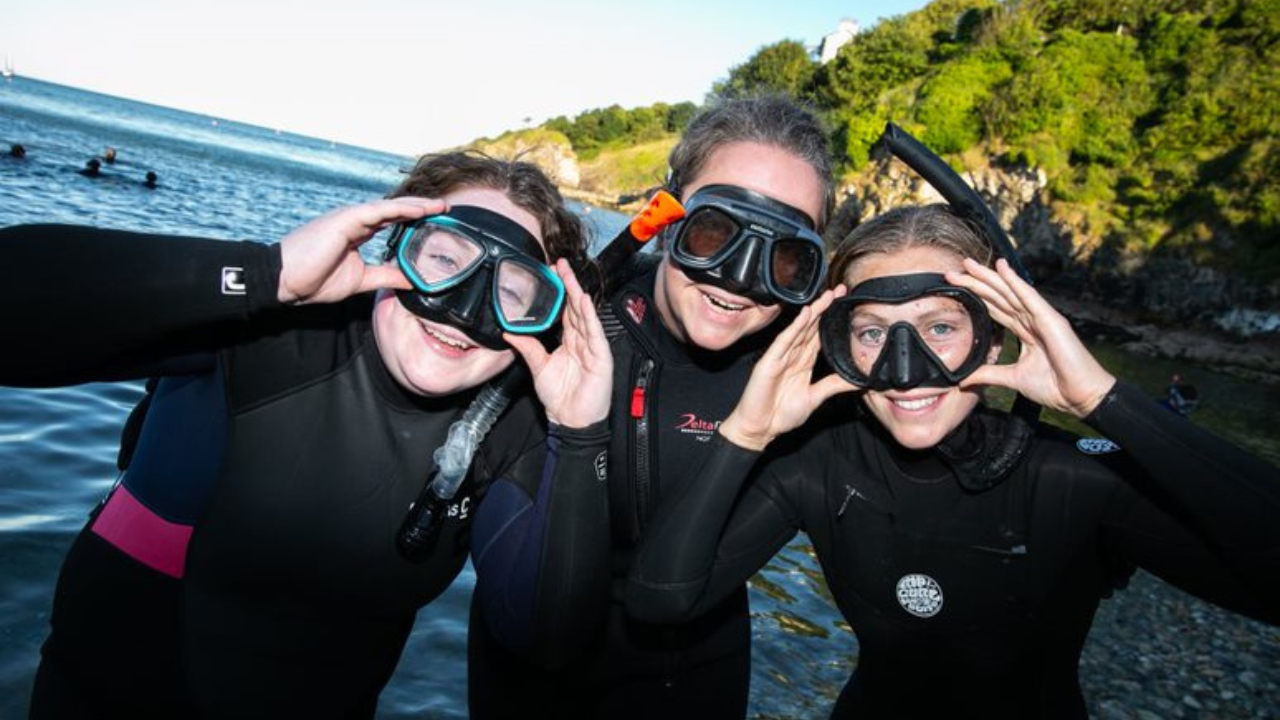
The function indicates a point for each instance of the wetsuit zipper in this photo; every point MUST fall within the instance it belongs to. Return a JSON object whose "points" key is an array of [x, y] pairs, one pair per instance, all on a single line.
{"points": [[640, 418]]}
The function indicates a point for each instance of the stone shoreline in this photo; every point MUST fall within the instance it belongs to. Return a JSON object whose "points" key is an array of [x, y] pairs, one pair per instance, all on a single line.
{"points": [[1256, 358], [1157, 653]]}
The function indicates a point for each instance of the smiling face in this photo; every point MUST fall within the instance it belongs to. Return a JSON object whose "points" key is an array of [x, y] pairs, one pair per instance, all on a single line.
{"points": [[919, 417], [713, 318], [431, 358]]}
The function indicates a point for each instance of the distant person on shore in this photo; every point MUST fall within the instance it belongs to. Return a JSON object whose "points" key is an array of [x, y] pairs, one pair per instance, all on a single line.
{"points": [[1181, 397], [17, 151], [754, 175], [967, 547], [109, 156], [152, 180], [91, 169], [248, 562]]}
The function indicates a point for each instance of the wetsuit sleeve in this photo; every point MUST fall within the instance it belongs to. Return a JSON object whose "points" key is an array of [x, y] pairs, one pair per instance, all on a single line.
{"points": [[85, 304], [540, 548], [1204, 514], [706, 542]]}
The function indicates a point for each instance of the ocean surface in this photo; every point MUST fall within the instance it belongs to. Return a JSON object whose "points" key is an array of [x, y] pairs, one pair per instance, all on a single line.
{"points": [[223, 179]]}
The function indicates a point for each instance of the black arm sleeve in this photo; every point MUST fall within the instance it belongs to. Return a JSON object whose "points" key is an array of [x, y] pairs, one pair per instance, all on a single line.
{"points": [[541, 549], [1194, 485], [83, 304], [704, 543]]}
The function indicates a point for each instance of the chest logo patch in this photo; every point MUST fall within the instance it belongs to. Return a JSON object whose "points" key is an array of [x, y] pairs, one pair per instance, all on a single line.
{"points": [[602, 466], [920, 595], [636, 308], [1096, 446]]}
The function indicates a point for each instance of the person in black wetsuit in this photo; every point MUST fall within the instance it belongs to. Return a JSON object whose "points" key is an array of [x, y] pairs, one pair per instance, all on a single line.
{"points": [[753, 175], [967, 550], [246, 564]]}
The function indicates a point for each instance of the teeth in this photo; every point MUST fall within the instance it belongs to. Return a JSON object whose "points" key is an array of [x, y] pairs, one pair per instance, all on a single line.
{"points": [[447, 341], [717, 302], [916, 404]]}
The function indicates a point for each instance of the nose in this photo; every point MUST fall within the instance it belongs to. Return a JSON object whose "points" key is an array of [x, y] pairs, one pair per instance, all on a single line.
{"points": [[904, 366], [740, 269]]}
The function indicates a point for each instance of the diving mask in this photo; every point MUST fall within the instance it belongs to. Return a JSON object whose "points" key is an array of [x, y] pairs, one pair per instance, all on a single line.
{"points": [[478, 271]]}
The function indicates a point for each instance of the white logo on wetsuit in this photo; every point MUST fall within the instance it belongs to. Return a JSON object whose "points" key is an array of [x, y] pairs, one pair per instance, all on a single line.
{"points": [[920, 595], [233, 281], [602, 466], [460, 510], [1096, 446]]}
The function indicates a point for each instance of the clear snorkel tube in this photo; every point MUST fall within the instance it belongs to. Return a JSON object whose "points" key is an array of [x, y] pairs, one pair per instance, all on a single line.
{"points": [[417, 534]]}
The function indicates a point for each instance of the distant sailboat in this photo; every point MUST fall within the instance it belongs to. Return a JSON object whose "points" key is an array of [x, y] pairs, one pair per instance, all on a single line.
{"points": [[8, 68]]}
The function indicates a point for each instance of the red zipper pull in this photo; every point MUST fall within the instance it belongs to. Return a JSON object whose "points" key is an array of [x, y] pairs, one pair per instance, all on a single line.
{"points": [[637, 402]]}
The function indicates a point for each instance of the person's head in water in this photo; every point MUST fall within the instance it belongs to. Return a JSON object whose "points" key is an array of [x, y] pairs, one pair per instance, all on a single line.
{"points": [[152, 179], [429, 356], [109, 156], [918, 315], [765, 155], [17, 151], [91, 168]]}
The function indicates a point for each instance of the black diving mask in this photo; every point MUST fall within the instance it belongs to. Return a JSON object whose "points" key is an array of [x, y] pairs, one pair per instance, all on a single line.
{"points": [[875, 340], [478, 271], [749, 244]]}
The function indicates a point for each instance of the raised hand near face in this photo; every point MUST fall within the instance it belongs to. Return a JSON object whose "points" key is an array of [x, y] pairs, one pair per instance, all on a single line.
{"points": [[1054, 368], [780, 395], [574, 382], [321, 259]]}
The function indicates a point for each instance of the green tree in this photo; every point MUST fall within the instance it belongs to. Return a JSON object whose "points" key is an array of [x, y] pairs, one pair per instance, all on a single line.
{"points": [[781, 67]]}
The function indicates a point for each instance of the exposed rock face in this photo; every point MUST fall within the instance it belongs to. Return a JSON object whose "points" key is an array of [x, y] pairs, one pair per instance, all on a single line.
{"points": [[555, 158]]}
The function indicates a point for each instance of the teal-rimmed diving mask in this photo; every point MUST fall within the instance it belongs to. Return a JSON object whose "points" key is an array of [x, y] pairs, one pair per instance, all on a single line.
{"points": [[478, 271]]}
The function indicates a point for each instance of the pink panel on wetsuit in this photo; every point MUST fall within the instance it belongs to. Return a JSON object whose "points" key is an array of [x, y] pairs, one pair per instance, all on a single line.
{"points": [[142, 535]]}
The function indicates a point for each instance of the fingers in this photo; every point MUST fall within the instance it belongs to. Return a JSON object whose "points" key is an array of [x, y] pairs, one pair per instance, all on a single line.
{"points": [[381, 212]]}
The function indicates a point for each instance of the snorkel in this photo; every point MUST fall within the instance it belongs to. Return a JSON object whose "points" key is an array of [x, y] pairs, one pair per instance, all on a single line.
{"points": [[980, 465], [417, 535]]}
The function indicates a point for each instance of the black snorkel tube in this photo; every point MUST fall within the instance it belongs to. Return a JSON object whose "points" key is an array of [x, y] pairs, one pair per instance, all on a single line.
{"points": [[995, 459], [417, 534]]}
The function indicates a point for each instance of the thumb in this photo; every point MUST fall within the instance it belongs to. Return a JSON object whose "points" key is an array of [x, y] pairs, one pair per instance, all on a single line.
{"points": [[994, 375], [830, 386], [529, 349], [377, 277]]}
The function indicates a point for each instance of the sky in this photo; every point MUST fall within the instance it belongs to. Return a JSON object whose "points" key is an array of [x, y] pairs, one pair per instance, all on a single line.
{"points": [[402, 75]]}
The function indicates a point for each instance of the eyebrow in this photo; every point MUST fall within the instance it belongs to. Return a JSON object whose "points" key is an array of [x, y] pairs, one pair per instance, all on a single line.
{"points": [[928, 315]]}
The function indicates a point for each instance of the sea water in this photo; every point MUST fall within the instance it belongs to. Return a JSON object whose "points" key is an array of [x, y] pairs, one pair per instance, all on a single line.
{"points": [[227, 180]]}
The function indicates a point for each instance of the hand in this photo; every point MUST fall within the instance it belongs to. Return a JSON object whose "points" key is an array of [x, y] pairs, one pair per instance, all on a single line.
{"points": [[1054, 368], [321, 260], [575, 382], [779, 396]]}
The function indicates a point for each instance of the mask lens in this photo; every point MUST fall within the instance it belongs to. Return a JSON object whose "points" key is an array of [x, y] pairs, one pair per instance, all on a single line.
{"points": [[434, 257], [795, 265], [527, 298], [706, 233], [944, 324]]}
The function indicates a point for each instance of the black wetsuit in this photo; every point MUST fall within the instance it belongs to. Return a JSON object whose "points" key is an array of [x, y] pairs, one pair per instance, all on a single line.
{"points": [[975, 604], [667, 404], [245, 565]]}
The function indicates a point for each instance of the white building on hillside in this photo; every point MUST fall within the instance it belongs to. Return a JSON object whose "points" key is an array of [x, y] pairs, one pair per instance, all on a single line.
{"points": [[832, 42]]}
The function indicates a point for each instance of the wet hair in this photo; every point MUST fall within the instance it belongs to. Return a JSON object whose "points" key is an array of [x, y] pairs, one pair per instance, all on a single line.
{"points": [[935, 226], [436, 175], [769, 119]]}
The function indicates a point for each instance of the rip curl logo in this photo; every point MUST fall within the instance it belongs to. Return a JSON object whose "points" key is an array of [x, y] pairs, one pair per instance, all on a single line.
{"points": [[602, 466], [690, 424], [233, 281], [636, 308], [460, 510], [1096, 446], [920, 595]]}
